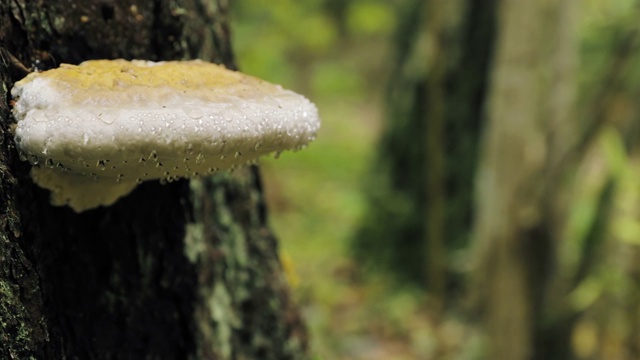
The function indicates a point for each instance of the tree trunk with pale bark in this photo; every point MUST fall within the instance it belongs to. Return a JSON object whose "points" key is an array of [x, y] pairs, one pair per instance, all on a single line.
{"points": [[531, 125]]}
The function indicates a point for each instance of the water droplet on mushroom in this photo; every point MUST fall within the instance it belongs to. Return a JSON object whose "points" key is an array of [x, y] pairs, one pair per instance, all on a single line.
{"points": [[194, 112], [107, 118]]}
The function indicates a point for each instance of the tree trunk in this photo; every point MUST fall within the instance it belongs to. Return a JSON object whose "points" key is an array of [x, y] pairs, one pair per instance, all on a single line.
{"points": [[530, 122], [182, 270], [420, 192]]}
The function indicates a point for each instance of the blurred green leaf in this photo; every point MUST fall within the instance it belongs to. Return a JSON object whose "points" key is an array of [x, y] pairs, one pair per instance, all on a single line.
{"points": [[614, 151], [370, 18], [335, 79], [586, 293]]}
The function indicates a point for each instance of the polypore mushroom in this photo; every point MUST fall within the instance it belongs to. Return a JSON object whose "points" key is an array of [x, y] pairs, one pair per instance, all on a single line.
{"points": [[94, 131]]}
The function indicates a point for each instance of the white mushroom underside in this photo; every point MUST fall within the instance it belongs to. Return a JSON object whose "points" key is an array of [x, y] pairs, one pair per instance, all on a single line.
{"points": [[90, 154]]}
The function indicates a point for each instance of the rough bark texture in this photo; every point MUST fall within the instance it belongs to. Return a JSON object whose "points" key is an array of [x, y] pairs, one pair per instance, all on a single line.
{"points": [[183, 270]]}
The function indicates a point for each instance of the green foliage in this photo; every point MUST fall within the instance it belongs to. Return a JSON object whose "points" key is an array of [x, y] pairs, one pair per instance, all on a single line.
{"points": [[337, 79], [289, 42], [603, 222], [337, 53], [370, 18]]}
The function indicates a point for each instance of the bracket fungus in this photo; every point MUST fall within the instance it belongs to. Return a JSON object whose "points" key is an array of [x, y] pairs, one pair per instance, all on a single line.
{"points": [[94, 131]]}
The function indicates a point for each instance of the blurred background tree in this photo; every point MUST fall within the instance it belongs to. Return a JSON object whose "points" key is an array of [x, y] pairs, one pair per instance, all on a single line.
{"points": [[481, 156], [422, 185]]}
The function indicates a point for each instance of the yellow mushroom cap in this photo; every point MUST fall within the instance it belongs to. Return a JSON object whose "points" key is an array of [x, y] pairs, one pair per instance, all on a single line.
{"points": [[95, 130]]}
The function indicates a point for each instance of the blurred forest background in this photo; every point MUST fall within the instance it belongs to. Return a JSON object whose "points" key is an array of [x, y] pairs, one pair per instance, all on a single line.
{"points": [[474, 192]]}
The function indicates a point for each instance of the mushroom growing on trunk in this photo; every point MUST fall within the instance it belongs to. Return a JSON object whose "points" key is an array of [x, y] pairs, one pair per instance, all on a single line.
{"points": [[94, 131]]}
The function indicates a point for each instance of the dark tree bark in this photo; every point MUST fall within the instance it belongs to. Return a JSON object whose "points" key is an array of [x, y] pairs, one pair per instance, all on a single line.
{"points": [[176, 271]]}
